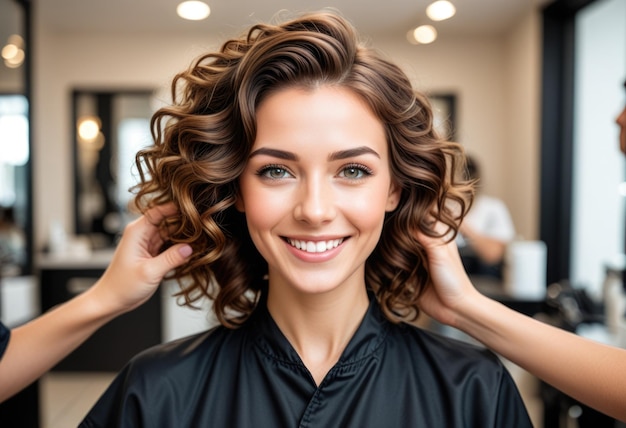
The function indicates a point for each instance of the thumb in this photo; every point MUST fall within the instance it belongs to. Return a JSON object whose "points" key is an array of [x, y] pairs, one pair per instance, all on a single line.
{"points": [[171, 258]]}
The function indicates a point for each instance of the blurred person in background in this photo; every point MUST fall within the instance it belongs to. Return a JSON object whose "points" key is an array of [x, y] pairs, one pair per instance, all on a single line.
{"points": [[486, 230]]}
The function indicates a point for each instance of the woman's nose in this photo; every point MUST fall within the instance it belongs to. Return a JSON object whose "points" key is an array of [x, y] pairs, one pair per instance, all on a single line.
{"points": [[316, 201]]}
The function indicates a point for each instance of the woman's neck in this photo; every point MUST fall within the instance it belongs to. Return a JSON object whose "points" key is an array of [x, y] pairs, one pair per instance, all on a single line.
{"points": [[319, 326]]}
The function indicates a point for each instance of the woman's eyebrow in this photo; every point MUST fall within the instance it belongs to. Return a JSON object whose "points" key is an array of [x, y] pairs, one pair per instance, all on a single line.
{"points": [[342, 154], [281, 154], [357, 151]]}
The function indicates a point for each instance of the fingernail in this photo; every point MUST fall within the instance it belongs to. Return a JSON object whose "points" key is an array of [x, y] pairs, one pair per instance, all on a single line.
{"points": [[185, 250]]}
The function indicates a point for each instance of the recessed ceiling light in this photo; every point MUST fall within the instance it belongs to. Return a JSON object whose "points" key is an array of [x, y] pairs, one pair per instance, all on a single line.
{"points": [[193, 10], [425, 34], [440, 10]]}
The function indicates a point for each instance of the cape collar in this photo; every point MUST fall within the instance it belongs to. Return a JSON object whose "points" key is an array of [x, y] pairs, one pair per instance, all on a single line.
{"points": [[368, 337]]}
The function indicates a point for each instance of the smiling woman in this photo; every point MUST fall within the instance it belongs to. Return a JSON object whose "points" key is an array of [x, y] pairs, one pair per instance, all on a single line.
{"points": [[304, 166]]}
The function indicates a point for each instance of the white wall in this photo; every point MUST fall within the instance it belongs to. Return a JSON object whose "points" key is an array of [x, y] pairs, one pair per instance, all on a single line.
{"points": [[473, 69], [492, 77], [521, 162]]}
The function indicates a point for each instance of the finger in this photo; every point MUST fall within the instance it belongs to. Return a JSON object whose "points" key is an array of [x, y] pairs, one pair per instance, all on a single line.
{"points": [[445, 234], [171, 258], [157, 213]]}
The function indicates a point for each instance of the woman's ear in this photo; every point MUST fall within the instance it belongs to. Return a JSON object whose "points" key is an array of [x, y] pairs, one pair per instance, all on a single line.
{"points": [[393, 199]]}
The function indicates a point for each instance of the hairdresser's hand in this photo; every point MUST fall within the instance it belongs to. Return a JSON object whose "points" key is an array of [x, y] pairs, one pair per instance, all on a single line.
{"points": [[137, 268], [451, 288]]}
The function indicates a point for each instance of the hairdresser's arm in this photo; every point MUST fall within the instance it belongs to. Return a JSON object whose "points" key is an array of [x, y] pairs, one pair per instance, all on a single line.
{"points": [[591, 372], [132, 277]]}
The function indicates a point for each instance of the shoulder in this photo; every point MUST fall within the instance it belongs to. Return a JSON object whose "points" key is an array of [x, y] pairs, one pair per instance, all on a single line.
{"points": [[186, 354], [471, 367], [147, 390], [470, 376], [445, 353], [178, 364], [439, 342]]}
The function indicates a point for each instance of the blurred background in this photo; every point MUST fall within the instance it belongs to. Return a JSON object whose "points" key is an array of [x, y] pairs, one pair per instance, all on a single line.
{"points": [[531, 88]]}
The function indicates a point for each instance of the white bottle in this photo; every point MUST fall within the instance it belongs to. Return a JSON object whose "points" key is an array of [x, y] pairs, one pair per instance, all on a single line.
{"points": [[525, 269], [614, 299], [58, 238]]}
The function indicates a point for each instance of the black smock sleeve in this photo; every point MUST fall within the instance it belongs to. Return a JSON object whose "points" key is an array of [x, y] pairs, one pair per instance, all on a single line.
{"points": [[5, 335]]}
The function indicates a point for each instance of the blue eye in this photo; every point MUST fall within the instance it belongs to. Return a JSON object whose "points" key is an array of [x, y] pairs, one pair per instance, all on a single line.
{"points": [[355, 172], [273, 172]]}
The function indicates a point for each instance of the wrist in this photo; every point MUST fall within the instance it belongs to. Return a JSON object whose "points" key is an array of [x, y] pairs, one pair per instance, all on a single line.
{"points": [[471, 311], [101, 303]]}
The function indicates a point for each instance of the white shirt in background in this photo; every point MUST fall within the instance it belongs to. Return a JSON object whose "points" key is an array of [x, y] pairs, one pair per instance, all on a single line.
{"points": [[489, 216]]}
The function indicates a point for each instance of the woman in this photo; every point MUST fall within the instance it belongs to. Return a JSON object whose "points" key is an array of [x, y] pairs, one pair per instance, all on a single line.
{"points": [[301, 161]]}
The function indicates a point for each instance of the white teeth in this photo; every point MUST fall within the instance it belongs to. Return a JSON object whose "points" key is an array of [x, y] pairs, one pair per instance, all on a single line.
{"points": [[315, 247]]}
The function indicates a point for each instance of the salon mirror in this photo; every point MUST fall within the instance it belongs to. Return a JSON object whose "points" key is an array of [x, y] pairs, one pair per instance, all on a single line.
{"points": [[110, 126]]}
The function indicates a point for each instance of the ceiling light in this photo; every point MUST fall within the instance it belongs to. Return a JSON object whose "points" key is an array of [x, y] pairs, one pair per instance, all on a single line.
{"points": [[440, 10], [425, 34], [193, 10]]}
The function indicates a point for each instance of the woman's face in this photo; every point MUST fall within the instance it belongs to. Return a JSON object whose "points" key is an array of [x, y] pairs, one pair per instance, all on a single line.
{"points": [[316, 188]]}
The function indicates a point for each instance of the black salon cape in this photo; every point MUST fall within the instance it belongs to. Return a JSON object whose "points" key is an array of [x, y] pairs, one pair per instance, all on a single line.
{"points": [[388, 376]]}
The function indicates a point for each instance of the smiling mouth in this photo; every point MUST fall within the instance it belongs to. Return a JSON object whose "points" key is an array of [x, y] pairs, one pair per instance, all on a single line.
{"points": [[314, 246]]}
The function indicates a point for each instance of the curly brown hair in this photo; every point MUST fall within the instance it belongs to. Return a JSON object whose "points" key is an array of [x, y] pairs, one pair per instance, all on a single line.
{"points": [[202, 143]]}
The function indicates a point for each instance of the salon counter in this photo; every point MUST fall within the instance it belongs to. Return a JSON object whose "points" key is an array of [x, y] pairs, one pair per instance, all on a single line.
{"points": [[159, 320], [108, 349]]}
